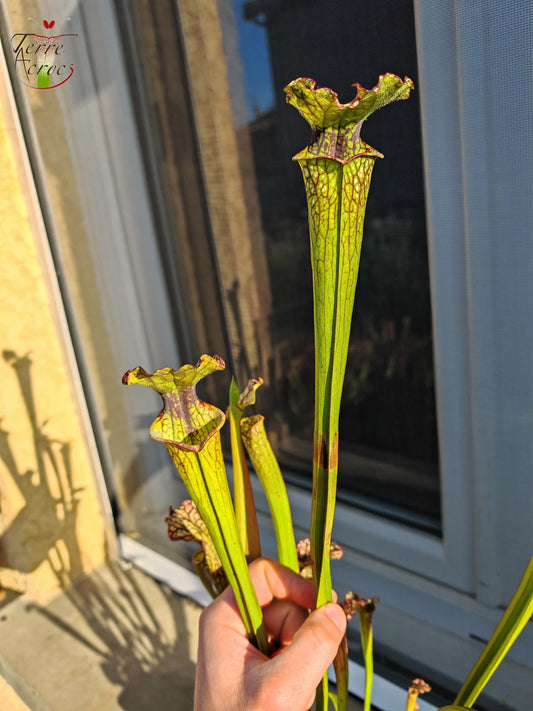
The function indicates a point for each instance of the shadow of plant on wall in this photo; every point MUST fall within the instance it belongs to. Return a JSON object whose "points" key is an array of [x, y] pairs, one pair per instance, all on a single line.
{"points": [[113, 619], [44, 530]]}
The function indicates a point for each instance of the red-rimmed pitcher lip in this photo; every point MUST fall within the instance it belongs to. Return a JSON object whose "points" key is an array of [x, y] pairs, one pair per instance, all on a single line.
{"points": [[321, 107], [185, 421]]}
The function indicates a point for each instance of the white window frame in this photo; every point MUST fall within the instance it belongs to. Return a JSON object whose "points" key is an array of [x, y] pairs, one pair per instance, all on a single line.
{"points": [[438, 596], [481, 259]]}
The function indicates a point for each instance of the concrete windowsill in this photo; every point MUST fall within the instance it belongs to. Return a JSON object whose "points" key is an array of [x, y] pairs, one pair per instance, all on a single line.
{"points": [[115, 640]]}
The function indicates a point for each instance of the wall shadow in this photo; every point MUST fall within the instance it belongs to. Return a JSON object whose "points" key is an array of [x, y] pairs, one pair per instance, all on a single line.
{"points": [[45, 527], [117, 619]]}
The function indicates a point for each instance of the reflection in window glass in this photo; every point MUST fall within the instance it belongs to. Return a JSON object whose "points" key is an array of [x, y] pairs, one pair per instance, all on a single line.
{"points": [[388, 425], [216, 121]]}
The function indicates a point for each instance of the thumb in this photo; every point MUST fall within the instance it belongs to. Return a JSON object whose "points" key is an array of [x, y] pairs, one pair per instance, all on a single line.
{"points": [[304, 662]]}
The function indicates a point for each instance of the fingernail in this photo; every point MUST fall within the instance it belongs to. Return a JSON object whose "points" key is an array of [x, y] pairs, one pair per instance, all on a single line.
{"points": [[336, 615]]}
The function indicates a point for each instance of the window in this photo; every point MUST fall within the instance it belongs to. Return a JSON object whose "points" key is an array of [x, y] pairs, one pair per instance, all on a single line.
{"points": [[388, 436], [168, 232], [259, 249], [243, 252]]}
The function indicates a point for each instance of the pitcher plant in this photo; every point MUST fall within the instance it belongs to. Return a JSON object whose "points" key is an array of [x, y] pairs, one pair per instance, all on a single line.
{"points": [[337, 168]]}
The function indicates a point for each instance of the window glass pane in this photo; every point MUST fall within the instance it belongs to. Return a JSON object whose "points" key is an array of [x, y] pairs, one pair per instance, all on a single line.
{"points": [[388, 425], [242, 250]]}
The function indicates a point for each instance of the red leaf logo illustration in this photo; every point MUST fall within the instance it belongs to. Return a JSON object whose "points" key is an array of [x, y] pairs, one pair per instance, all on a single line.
{"points": [[49, 25]]}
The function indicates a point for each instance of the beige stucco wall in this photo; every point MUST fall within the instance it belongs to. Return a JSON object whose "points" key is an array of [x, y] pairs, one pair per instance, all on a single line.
{"points": [[51, 521]]}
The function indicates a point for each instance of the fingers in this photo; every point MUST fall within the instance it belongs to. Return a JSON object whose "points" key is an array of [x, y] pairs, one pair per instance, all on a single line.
{"points": [[301, 666], [273, 580], [307, 645], [283, 618], [274, 584]]}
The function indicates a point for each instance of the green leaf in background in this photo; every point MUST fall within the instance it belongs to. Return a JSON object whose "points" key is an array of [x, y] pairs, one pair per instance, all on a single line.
{"points": [[352, 605], [334, 700], [243, 496], [267, 469], [340, 665], [515, 618], [190, 430]]}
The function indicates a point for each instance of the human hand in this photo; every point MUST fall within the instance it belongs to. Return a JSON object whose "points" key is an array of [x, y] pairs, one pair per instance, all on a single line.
{"points": [[232, 675]]}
